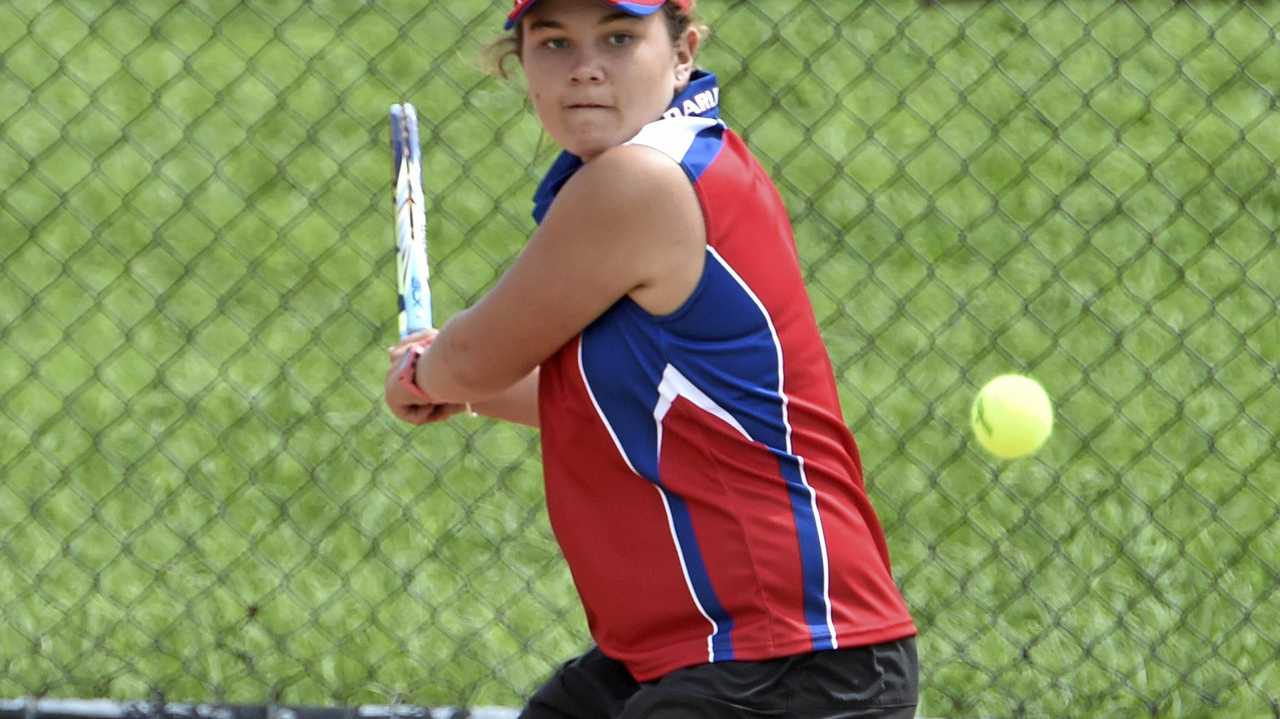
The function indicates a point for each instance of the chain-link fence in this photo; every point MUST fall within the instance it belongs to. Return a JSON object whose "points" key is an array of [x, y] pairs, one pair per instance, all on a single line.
{"points": [[203, 494]]}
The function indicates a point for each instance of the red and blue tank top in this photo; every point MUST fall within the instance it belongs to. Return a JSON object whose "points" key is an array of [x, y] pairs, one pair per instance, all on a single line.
{"points": [[700, 478]]}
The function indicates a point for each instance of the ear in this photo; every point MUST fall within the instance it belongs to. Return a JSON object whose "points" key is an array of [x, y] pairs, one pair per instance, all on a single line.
{"points": [[686, 56]]}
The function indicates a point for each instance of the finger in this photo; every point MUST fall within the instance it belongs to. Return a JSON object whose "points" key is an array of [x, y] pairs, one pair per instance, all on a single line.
{"points": [[409, 412], [397, 352], [399, 411], [420, 413], [445, 411], [425, 337], [396, 398]]}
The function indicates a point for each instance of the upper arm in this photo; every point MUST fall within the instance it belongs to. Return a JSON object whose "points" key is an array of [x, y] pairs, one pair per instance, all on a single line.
{"points": [[628, 221]]}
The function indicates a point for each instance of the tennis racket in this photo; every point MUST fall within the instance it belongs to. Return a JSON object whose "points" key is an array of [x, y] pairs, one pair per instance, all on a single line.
{"points": [[412, 272]]}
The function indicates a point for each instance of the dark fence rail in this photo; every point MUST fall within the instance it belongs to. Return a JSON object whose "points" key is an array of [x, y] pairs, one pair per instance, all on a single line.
{"points": [[158, 708]]}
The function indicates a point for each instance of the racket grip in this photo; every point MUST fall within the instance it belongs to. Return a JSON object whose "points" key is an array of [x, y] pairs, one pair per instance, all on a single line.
{"points": [[415, 303]]}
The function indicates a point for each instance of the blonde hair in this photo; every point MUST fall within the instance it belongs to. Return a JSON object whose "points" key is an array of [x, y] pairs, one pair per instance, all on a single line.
{"points": [[504, 48]]}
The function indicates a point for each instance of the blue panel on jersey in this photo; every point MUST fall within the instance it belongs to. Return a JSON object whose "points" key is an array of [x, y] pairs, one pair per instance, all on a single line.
{"points": [[623, 369], [812, 561], [724, 344], [706, 146]]}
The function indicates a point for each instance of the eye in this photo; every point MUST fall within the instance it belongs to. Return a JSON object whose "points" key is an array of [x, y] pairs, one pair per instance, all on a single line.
{"points": [[618, 39], [555, 43]]}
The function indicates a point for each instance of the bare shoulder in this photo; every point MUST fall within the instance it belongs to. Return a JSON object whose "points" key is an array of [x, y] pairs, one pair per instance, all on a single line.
{"points": [[632, 176], [639, 202]]}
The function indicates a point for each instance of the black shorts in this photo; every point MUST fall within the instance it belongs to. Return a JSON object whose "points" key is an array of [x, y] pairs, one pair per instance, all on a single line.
{"points": [[877, 681]]}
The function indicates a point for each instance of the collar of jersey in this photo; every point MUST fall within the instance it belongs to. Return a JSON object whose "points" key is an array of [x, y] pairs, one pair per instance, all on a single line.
{"points": [[568, 163]]}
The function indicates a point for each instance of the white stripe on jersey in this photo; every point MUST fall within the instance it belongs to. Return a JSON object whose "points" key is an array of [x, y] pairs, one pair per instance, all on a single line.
{"points": [[674, 384], [673, 137], [684, 567]]}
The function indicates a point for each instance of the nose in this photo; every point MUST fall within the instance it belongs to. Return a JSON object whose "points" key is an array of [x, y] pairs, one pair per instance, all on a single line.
{"points": [[587, 69]]}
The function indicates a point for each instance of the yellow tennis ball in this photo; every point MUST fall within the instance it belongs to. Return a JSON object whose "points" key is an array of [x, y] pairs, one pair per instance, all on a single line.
{"points": [[1012, 416]]}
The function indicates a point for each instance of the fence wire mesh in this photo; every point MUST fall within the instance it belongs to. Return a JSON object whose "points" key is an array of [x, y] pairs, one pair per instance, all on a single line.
{"points": [[202, 493]]}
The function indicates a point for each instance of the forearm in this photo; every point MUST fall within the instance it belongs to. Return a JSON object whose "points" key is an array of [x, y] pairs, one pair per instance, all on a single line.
{"points": [[463, 365], [519, 403]]}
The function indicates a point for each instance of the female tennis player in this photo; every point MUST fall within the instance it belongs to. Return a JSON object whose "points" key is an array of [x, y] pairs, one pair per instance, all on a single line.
{"points": [[700, 478]]}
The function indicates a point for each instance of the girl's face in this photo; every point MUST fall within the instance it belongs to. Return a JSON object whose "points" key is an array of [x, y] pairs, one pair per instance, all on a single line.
{"points": [[597, 75]]}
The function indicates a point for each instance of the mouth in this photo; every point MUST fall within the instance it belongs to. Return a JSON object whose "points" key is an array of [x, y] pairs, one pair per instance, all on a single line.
{"points": [[587, 106]]}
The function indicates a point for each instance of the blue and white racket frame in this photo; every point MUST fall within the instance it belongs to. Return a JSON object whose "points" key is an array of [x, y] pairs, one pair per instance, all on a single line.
{"points": [[412, 267]]}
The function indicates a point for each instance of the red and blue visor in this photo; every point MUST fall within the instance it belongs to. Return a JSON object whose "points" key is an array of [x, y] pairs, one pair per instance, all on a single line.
{"points": [[634, 7]]}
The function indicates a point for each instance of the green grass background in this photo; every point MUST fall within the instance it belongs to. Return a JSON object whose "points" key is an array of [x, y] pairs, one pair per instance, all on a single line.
{"points": [[202, 493]]}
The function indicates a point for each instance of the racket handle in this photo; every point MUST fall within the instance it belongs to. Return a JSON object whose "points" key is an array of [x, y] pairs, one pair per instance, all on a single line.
{"points": [[415, 302]]}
